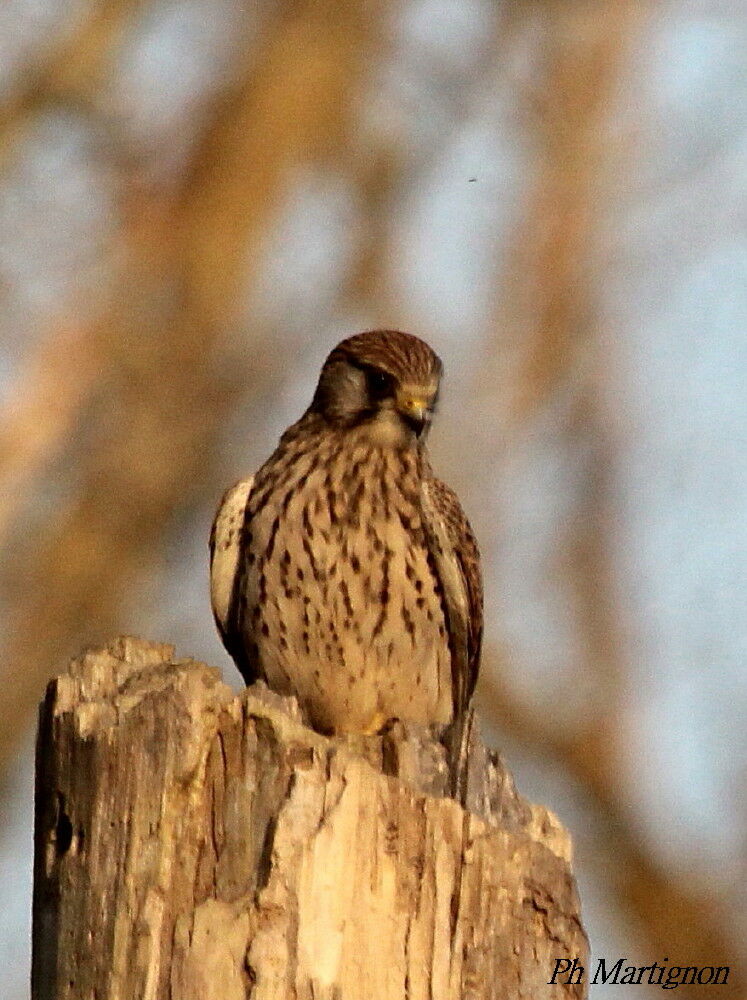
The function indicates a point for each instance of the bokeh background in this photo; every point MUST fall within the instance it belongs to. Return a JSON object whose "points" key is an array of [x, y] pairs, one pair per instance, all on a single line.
{"points": [[199, 197]]}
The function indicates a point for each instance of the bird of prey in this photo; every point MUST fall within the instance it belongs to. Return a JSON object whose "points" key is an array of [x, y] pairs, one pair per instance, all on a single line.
{"points": [[344, 572]]}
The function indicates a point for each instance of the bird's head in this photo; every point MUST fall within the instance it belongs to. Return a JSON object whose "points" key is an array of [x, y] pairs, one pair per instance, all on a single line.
{"points": [[383, 380]]}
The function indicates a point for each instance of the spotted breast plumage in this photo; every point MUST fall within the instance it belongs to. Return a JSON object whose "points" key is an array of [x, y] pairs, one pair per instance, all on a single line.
{"points": [[344, 572]]}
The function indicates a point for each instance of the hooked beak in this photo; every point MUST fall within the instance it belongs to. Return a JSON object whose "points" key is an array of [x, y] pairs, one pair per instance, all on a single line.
{"points": [[415, 409]]}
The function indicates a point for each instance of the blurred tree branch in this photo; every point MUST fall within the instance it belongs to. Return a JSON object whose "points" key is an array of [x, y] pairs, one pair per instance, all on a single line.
{"points": [[72, 68], [160, 395], [548, 320], [42, 412], [580, 53], [682, 923]]}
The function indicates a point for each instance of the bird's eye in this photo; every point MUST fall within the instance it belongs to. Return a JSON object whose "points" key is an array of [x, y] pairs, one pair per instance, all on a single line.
{"points": [[380, 384]]}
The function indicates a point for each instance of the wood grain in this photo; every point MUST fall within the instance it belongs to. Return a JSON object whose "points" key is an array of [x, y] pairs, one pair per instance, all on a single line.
{"points": [[191, 843]]}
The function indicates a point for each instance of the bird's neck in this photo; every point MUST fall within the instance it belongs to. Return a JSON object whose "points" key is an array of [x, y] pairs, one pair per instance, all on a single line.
{"points": [[384, 431]]}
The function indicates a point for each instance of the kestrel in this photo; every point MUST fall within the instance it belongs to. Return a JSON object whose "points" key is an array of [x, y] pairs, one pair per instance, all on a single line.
{"points": [[344, 572]]}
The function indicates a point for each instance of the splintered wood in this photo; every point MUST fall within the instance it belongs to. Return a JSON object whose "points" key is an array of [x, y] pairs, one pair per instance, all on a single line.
{"points": [[192, 844]]}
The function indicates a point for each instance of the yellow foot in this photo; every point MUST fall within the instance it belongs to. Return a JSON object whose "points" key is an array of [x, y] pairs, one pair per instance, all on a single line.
{"points": [[377, 723], [373, 727]]}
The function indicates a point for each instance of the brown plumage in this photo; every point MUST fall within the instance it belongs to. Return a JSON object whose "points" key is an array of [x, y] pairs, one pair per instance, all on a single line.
{"points": [[344, 572]]}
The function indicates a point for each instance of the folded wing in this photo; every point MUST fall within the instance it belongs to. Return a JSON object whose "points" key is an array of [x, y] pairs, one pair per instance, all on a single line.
{"points": [[226, 571]]}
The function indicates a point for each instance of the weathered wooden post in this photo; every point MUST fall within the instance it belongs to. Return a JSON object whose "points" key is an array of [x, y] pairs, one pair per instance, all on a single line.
{"points": [[192, 844]]}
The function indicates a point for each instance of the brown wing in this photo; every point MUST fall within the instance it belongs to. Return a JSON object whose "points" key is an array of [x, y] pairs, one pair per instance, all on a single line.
{"points": [[457, 559]]}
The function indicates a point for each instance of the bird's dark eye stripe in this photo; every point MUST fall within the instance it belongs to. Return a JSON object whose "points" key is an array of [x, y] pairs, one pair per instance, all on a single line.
{"points": [[378, 380]]}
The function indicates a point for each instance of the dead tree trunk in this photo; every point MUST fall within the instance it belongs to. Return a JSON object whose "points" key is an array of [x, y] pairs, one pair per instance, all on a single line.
{"points": [[193, 844]]}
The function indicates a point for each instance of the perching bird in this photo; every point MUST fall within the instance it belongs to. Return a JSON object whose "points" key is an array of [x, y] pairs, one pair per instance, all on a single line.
{"points": [[344, 572]]}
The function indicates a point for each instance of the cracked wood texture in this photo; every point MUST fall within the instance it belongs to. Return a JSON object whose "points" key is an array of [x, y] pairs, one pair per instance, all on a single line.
{"points": [[193, 844]]}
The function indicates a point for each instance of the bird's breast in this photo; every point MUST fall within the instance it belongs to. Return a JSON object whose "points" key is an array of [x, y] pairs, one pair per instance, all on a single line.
{"points": [[343, 604]]}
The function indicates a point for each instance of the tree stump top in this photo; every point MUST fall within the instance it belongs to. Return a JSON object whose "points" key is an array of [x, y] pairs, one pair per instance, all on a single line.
{"points": [[191, 842]]}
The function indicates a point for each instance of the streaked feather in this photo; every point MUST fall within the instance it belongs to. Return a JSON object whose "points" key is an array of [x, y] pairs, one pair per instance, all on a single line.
{"points": [[226, 549]]}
